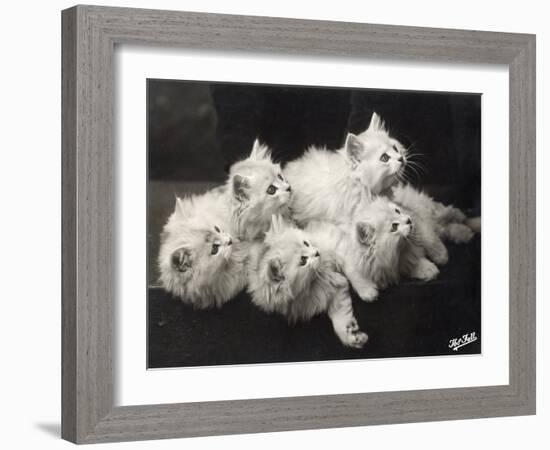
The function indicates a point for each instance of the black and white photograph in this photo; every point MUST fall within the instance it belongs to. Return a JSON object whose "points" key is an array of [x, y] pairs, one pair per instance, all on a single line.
{"points": [[301, 223], [275, 225]]}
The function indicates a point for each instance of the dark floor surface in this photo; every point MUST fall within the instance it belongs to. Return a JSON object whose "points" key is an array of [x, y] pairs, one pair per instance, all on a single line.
{"points": [[411, 319]]}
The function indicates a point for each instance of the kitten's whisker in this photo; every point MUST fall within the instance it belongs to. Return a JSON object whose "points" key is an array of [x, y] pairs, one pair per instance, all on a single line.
{"points": [[402, 177], [414, 162], [415, 171], [417, 161], [417, 166], [410, 149], [414, 157], [408, 177]]}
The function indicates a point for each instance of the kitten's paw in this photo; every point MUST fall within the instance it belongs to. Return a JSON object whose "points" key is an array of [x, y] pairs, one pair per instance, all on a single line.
{"points": [[352, 326], [425, 270], [439, 255], [459, 233], [453, 214], [354, 337], [474, 223], [368, 294], [358, 339]]}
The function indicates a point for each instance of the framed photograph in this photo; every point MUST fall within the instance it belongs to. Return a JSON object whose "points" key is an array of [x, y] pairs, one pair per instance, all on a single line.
{"points": [[278, 224]]}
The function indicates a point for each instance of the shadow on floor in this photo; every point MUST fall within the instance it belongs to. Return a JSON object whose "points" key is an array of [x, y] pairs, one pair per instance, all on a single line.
{"points": [[52, 429]]}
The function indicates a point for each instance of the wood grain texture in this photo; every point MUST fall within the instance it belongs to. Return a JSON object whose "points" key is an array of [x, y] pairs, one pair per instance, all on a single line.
{"points": [[88, 210], [89, 204], [68, 226], [523, 223]]}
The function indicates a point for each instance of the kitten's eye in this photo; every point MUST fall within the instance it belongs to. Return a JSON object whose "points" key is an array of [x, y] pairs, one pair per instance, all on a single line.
{"points": [[394, 226], [280, 177], [303, 260], [306, 244], [271, 189], [217, 229], [215, 248], [397, 211], [384, 157]]}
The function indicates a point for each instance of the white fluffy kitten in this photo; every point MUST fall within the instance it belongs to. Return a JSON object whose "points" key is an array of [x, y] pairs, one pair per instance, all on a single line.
{"points": [[336, 186], [330, 185], [376, 248], [436, 222], [257, 190], [198, 261], [290, 276]]}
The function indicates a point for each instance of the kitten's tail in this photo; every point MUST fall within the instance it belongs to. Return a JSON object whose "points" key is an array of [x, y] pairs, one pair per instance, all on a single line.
{"points": [[474, 223]]}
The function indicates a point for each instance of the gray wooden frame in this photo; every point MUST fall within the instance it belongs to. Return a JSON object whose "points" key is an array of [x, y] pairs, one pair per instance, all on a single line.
{"points": [[89, 36]]}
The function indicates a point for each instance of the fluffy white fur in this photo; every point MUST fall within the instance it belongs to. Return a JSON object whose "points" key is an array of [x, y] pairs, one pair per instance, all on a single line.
{"points": [[436, 221], [330, 185], [376, 247], [336, 186], [198, 261], [290, 275], [257, 189]]}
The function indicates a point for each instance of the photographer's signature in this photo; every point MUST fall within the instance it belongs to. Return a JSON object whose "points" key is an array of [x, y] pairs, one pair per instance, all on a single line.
{"points": [[456, 343]]}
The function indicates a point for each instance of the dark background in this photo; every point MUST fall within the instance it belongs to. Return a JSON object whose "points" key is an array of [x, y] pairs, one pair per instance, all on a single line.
{"points": [[196, 130]]}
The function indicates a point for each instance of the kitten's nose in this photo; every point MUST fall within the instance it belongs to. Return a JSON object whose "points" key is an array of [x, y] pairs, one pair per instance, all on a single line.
{"points": [[409, 221], [230, 241], [317, 254], [289, 189], [400, 159]]}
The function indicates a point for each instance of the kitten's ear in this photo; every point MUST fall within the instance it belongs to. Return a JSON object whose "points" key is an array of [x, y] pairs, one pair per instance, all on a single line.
{"points": [[354, 147], [181, 260], [259, 151], [277, 223], [180, 207], [275, 227], [376, 123], [241, 186], [255, 148], [365, 232], [275, 270]]}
